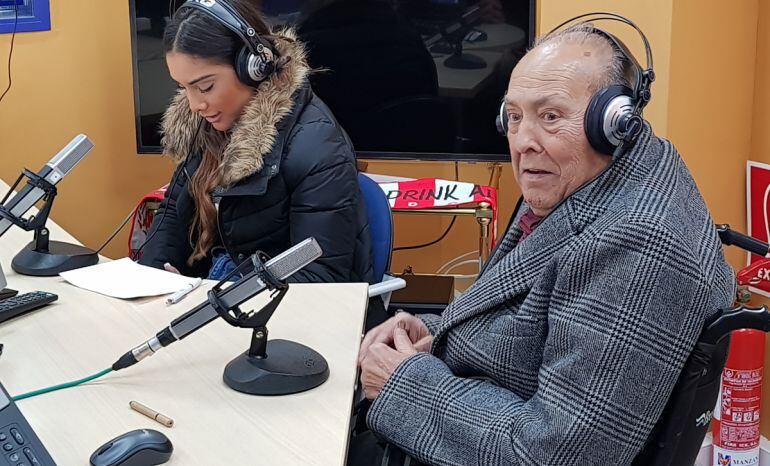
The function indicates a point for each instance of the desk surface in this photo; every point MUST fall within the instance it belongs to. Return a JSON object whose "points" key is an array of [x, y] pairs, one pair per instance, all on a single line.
{"points": [[84, 332]]}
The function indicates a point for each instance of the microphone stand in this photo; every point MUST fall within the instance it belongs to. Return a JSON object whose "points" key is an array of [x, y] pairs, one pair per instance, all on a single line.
{"points": [[43, 257], [450, 40], [275, 367]]}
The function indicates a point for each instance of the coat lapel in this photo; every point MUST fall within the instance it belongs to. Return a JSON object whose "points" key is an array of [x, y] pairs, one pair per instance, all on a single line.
{"points": [[513, 269]]}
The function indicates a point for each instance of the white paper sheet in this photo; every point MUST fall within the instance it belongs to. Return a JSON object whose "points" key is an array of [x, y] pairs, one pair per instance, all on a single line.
{"points": [[387, 178], [124, 278]]}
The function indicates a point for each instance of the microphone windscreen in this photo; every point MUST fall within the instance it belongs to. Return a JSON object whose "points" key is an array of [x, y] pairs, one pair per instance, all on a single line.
{"points": [[294, 258]]}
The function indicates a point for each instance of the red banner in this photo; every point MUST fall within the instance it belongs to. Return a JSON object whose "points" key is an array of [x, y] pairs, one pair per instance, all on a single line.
{"points": [[435, 193]]}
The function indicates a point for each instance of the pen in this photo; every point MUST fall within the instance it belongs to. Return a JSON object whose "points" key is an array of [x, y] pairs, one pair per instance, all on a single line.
{"points": [[177, 296]]}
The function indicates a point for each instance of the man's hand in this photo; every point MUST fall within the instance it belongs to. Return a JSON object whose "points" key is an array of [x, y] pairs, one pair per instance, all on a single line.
{"points": [[381, 361], [415, 329]]}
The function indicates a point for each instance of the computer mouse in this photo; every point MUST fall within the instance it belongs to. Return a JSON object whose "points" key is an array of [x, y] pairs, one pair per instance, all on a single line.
{"points": [[141, 447]]}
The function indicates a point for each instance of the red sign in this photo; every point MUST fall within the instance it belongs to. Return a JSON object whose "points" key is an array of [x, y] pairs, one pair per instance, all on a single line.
{"points": [[758, 214]]}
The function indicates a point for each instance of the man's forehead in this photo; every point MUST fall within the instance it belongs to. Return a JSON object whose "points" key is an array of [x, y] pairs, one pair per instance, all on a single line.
{"points": [[554, 69], [561, 56]]}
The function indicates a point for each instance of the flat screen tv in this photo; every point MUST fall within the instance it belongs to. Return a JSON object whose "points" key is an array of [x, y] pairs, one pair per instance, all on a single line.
{"points": [[407, 79]]}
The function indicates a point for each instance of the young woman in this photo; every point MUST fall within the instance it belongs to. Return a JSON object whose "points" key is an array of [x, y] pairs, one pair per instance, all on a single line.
{"points": [[261, 162]]}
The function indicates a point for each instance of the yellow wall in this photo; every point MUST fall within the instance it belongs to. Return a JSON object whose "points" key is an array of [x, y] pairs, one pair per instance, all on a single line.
{"points": [[711, 101], [74, 79]]}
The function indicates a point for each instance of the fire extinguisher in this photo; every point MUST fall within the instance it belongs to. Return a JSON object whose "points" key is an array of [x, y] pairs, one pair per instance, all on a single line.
{"points": [[736, 416]]}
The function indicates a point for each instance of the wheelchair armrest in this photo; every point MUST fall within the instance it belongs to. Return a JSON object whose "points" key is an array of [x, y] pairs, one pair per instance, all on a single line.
{"points": [[726, 320], [387, 285], [747, 243]]}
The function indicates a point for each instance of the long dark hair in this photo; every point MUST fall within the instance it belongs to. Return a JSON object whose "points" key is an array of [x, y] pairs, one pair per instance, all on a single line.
{"points": [[193, 32]]}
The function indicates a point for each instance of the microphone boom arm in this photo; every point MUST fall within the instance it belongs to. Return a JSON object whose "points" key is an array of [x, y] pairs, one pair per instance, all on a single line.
{"points": [[225, 302]]}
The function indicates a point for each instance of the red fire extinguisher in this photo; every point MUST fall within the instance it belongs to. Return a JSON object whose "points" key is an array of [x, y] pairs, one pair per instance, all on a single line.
{"points": [[736, 417]]}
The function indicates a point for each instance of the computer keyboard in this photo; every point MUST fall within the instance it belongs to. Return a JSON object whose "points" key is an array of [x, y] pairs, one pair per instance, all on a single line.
{"points": [[23, 303]]}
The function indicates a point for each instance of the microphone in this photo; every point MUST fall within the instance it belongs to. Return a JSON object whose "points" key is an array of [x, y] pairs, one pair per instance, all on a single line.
{"points": [[281, 266], [53, 172]]}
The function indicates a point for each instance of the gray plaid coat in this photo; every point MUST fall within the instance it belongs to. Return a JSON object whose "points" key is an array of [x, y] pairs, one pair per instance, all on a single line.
{"points": [[567, 347]]}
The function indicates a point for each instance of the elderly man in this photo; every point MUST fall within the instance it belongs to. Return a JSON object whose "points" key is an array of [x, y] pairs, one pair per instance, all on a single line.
{"points": [[567, 347]]}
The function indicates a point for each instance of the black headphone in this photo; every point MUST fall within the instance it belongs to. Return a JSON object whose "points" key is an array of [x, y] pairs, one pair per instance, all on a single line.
{"points": [[614, 114], [255, 61]]}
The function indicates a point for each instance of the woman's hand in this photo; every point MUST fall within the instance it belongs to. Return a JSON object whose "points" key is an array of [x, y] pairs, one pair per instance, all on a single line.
{"points": [[170, 268], [415, 329], [381, 361]]}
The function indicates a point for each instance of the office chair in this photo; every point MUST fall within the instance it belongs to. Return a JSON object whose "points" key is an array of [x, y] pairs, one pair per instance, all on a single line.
{"points": [[678, 435], [381, 230], [380, 225]]}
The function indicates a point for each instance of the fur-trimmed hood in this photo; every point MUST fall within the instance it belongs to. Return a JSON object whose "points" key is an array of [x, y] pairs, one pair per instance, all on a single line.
{"points": [[257, 129]]}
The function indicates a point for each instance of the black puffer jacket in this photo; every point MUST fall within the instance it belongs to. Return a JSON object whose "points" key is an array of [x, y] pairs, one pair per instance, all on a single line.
{"points": [[288, 173]]}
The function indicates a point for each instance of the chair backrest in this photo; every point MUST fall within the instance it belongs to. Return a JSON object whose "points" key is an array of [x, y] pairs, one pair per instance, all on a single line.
{"points": [[380, 225], [677, 436]]}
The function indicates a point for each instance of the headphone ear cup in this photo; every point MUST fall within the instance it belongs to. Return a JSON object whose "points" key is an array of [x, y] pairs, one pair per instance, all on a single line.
{"points": [[501, 122], [607, 117], [242, 67], [253, 69]]}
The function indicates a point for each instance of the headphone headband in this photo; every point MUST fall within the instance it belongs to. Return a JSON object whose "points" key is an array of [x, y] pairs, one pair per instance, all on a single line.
{"points": [[255, 61], [232, 20], [607, 16], [644, 76]]}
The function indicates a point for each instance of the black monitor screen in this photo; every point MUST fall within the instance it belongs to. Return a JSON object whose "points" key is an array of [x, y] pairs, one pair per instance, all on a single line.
{"points": [[409, 79]]}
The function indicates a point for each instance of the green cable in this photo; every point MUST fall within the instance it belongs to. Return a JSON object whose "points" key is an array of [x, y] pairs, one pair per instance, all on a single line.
{"points": [[74, 383]]}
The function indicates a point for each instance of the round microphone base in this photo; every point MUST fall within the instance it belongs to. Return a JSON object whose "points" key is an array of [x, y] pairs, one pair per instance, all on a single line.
{"points": [[59, 257], [288, 368], [465, 61]]}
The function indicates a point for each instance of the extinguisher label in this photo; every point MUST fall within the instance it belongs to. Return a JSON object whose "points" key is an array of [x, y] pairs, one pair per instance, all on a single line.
{"points": [[739, 409], [735, 458]]}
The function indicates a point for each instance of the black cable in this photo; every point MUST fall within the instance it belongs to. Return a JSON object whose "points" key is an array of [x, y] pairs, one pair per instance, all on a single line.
{"points": [[10, 54], [443, 235], [419, 246], [115, 233]]}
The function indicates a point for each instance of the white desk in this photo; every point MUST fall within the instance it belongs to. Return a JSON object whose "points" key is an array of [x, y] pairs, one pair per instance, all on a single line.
{"points": [[83, 333]]}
